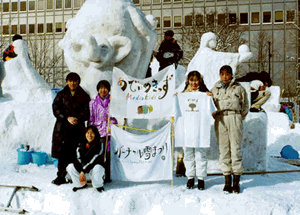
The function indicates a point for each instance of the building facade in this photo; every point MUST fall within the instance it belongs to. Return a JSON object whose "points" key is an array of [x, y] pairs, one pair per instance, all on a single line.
{"points": [[271, 28]]}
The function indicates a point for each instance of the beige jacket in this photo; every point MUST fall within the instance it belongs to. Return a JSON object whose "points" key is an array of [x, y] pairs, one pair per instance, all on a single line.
{"points": [[234, 98]]}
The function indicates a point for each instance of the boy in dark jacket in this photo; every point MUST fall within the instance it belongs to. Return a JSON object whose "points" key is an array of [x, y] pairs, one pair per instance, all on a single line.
{"points": [[89, 161], [169, 51], [71, 110]]}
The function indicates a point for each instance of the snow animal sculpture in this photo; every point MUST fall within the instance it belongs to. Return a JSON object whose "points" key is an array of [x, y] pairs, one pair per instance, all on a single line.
{"points": [[21, 81], [208, 62], [105, 34]]}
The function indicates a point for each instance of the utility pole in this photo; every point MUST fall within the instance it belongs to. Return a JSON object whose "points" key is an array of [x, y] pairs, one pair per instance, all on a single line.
{"points": [[269, 57]]}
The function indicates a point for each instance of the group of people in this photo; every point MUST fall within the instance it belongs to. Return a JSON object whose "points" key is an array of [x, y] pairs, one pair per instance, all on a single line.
{"points": [[83, 152]]}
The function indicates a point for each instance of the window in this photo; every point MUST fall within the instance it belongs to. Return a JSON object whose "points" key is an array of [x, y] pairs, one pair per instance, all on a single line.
{"points": [[6, 29], [199, 19], [167, 22], [188, 20], [244, 18], [167, 0], [158, 22], [290, 16], [68, 4], [156, 1], [232, 18], [49, 4], [78, 3], [14, 29], [255, 18], [5, 7], [58, 4], [41, 5], [267, 17], [23, 5], [177, 21], [49, 27], [177, 0], [278, 16], [136, 1], [147, 1], [31, 28], [40, 28], [221, 19], [22, 29], [210, 19], [58, 27], [14, 6], [31, 5]]}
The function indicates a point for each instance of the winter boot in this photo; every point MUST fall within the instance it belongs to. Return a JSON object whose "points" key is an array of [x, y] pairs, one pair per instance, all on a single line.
{"points": [[190, 184], [100, 189], [227, 188], [200, 184], [236, 184]]}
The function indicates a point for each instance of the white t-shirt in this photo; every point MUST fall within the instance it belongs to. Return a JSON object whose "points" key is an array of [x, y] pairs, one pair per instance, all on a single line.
{"points": [[194, 119], [256, 84]]}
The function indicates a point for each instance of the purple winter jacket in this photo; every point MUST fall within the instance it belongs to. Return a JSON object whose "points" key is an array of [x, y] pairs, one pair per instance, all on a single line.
{"points": [[99, 115]]}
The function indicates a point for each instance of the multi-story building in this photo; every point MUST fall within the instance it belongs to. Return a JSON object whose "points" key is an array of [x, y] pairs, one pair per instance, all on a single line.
{"points": [[277, 19]]}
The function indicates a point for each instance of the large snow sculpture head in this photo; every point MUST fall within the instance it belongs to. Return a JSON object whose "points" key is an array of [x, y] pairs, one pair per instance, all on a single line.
{"points": [[105, 34]]}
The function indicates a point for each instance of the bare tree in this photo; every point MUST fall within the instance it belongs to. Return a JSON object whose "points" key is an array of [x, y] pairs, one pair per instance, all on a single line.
{"points": [[227, 29], [46, 61], [261, 57]]}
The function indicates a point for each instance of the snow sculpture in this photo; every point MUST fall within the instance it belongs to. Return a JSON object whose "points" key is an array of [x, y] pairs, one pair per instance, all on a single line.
{"points": [[21, 81], [26, 104], [208, 62], [105, 34]]}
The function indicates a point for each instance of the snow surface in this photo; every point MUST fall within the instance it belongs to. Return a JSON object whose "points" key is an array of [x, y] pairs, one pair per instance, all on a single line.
{"points": [[275, 194]]}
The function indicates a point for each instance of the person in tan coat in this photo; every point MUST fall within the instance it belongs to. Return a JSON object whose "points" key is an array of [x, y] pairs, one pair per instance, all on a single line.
{"points": [[231, 101]]}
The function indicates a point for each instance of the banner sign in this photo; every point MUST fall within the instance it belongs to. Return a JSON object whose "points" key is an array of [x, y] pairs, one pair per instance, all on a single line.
{"points": [[143, 98], [141, 157], [194, 119]]}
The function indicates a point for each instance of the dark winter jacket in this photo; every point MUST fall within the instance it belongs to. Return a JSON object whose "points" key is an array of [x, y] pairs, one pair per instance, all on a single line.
{"points": [[65, 105], [88, 157], [172, 47], [9, 52]]}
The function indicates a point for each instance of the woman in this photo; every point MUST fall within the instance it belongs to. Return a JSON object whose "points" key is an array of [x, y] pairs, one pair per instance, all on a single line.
{"points": [[89, 162], [195, 157], [99, 111]]}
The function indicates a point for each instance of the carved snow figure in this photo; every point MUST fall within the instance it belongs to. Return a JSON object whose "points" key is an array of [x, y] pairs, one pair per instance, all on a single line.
{"points": [[208, 62], [105, 34], [21, 81]]}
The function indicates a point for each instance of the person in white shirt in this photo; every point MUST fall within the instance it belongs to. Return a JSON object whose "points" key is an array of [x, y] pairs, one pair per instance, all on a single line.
{"points": [[259, 95]]}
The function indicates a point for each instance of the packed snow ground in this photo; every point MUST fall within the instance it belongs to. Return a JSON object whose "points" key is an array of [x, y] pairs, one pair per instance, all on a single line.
{"points": [[275, 194]]}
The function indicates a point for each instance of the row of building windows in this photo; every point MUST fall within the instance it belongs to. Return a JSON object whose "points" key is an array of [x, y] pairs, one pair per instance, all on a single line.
{"points": [[169, 1], [33, 28], [232, 18], [41, 5]]}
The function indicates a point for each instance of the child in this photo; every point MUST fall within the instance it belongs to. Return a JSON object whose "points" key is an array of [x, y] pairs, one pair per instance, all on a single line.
{"points": [[231, 101], [259, 95], [89, 162], [195, 157]]}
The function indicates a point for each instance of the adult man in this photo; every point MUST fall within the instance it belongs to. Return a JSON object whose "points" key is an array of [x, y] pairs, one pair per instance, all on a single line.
{"points": [[71, 109], [9, 53], [259, 95], [169, 51]]}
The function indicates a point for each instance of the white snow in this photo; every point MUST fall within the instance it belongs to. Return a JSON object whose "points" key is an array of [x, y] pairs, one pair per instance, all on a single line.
{"points": [[275, 194]]}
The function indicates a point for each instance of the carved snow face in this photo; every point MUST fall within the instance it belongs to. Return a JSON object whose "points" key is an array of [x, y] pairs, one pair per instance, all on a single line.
{"points": [[109, 33]]}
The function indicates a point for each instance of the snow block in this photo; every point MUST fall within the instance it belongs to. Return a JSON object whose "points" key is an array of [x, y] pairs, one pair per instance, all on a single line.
{"points": [[254, 145]]}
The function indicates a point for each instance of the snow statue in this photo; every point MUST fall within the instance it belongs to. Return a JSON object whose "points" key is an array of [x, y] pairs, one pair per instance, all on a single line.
{"points": [[208, 62], [21, 81], [105, 34], [26, 111]]}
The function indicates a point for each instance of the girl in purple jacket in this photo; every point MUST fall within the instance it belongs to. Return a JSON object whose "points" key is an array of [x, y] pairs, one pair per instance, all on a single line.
{"points": [[99, 111]]}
